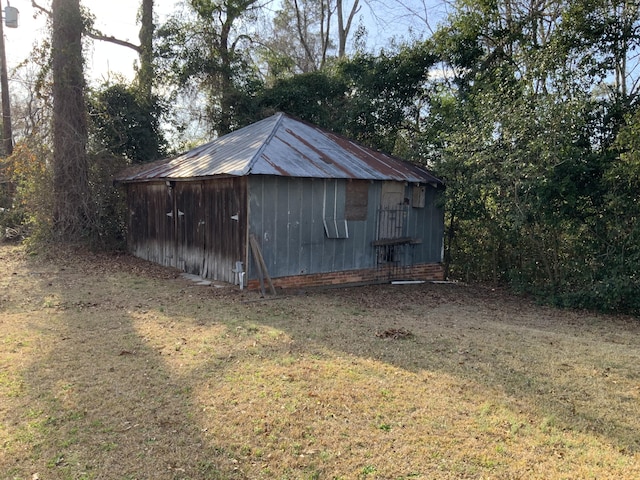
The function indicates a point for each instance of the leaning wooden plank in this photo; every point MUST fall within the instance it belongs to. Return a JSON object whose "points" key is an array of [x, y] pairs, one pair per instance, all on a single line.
{"points": [[257, 255]]}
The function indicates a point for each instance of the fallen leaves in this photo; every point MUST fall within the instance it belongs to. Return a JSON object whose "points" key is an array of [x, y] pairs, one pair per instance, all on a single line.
{"points": [[395, 334]]}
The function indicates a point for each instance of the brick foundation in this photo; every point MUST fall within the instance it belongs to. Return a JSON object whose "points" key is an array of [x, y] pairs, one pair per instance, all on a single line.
{"points": [[427, 271]]}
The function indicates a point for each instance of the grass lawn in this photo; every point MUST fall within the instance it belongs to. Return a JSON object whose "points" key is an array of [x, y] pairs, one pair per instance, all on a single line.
{"points": [[113, 368]]}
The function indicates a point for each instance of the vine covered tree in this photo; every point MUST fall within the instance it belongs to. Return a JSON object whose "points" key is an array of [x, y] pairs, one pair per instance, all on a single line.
{"points": [[71, 215]]}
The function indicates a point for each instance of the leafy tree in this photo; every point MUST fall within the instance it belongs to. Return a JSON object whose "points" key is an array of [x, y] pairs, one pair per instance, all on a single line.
{"points": [[526, 144], [125, 124], [384, 94], [203, 51], [371, 99], [317, 97], [600, 37]]}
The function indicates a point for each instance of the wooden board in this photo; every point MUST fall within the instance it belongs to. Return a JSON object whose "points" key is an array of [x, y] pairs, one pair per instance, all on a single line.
{"points": [[263, 273]]}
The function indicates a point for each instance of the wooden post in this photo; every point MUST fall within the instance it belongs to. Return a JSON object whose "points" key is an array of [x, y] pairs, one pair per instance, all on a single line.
{"points": [[262, 266]]}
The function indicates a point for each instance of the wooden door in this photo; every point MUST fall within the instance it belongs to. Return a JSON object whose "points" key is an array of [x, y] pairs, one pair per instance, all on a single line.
{"points": [[392, 212], [189, 232]]}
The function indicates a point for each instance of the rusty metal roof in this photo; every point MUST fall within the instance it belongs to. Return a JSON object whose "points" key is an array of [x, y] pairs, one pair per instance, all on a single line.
{"points": [[284, 146]]}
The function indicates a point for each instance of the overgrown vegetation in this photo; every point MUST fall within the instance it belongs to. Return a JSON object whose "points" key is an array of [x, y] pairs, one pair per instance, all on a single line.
{"points": [[28, 214], [114, 368]]}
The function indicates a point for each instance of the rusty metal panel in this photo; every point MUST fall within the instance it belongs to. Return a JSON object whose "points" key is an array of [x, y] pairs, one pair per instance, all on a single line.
{"points": [[225, 227], [287, 218], [197, 227], [283, 146]]}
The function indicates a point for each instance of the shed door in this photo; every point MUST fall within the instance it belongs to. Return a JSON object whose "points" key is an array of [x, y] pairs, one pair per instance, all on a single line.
{"points": [[189, 222], [208, 230], [392, 213], [225, 227]]}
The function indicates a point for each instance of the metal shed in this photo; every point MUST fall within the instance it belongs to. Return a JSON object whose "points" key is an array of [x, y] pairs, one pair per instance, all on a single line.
{"points": [[321, 208]]}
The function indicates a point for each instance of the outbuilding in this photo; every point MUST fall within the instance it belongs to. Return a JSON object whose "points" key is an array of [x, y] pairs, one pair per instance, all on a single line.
{"points": [[290, 202]]}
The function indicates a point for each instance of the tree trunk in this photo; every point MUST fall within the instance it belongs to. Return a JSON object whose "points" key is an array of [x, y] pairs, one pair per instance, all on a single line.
{"points": [[70, 162], [146, 74], [224, 79], [345, 27]]}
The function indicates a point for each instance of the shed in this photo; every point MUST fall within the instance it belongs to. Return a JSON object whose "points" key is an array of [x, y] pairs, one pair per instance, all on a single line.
{"points": [[322, 210]]}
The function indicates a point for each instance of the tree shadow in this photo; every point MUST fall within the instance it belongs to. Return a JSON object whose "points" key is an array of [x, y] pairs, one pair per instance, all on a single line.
{"points": [[99, 401], [578, 370], [140, 374]]}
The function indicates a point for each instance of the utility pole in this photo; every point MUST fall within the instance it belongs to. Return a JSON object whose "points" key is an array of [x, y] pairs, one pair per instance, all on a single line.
{"points": [[7, 134]]}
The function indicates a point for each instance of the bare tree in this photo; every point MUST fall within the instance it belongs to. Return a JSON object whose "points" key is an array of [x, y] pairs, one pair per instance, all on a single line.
{"points": [[344, 23], [309, 32]]}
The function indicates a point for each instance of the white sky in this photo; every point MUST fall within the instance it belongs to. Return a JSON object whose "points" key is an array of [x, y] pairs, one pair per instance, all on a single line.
{"points": [[113, 17], [118, 18]]}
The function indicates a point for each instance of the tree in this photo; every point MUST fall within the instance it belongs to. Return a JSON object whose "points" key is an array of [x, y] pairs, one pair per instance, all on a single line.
{"points": [[601, 36], [70, 164], [308, 33], [299, 37], [345, 20], [371, 99], [384, 93], [125, 124], [203, 51], [146, 71], [317, 97], [520, 126]]}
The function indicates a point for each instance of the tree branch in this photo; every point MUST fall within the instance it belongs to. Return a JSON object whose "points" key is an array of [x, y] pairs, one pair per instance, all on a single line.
{"points": [[38, 7], [117, 41], [95, 34]]}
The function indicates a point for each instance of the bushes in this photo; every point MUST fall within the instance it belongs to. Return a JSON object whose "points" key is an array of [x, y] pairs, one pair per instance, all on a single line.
{"points": [[30, 211], [30, 214]]}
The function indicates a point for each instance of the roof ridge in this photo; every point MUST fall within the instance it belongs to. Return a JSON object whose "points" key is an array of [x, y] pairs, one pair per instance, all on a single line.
{"points": [[253, 161]]}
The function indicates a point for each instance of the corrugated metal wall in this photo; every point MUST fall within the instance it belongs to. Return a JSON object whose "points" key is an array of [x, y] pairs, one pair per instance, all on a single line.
{"points": [[303, 226], [289, 217], [196, 226]]}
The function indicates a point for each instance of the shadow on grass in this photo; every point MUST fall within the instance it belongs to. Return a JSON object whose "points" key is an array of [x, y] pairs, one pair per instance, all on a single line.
{"points": [[139, 376], [576, 370], [98, 400]]}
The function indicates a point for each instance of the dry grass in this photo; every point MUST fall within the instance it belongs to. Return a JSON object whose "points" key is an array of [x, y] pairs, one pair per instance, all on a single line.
{"points": [[111, 368]]}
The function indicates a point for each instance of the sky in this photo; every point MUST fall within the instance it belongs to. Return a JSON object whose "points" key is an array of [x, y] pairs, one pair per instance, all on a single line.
{"points": [[113, 17], [118, 18]]}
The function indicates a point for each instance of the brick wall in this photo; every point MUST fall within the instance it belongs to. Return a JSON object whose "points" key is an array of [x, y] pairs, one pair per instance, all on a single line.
{"points": [[427, 271]]}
